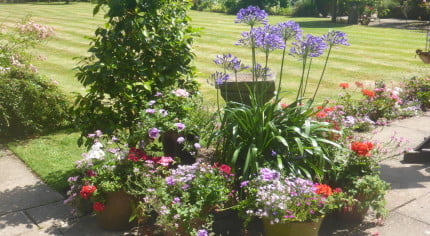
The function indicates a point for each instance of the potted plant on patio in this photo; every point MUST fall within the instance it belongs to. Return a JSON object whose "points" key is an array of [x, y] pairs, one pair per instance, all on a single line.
{"points": [[105, 179], [287, 205]]}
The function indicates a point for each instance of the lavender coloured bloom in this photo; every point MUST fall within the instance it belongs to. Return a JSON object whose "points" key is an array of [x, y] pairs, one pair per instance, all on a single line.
{"points": [[220, 77], [289, 30], [152, 102], [180, 140], [310, 45], [170, 180], [273, 153], [261, 72], [158, 94], [335, 38], [154, 133], [244, 183], [180, 126], [150, 111], [268, 38], [229, 62], [98, 133], [163, 112], [202, 232], [269, 175], [197, 145], [251, 15]]}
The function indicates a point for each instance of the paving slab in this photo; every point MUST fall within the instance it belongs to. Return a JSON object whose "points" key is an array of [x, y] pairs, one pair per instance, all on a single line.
{"points": [[398, 224], [87, 226], [51, 217], [417, 209], [17, 223], [20, 188]]}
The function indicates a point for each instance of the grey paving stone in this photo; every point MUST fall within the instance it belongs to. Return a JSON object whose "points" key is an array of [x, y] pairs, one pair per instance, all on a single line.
{"points": [[417, 209], [398, 224], [87, 226], [51, 217], [21, 189], [16, 223]]}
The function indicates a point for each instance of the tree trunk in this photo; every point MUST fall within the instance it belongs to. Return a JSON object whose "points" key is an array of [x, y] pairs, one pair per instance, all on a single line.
{"points": [[333, 10], [353, 13]]}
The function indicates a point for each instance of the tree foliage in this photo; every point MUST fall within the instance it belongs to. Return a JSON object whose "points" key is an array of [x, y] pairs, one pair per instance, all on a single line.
{"points": [[144, 48]]}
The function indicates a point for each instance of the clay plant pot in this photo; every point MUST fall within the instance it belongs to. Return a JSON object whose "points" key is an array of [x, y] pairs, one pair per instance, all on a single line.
{"points": [[425, 56], [239, 91], [308, 228], [117, 212]]}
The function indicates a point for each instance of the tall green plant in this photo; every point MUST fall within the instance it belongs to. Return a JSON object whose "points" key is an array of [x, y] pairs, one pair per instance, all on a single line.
{"points": [[144, 48]]}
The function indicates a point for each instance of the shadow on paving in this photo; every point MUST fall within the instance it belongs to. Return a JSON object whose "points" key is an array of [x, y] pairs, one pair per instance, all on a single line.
{"points": [[31, 208], [407, 176]]}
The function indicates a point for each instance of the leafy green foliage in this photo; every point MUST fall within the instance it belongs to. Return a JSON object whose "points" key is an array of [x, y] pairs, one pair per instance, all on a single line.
{"points": [[144, 48], [267, 136], [29, 103]]}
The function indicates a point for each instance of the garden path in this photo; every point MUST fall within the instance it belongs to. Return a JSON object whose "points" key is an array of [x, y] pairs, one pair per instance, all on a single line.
{"points": [[29, 207]]}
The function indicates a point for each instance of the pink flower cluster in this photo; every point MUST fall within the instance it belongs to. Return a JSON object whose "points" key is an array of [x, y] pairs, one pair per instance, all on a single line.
{"points": [[40, 31]]}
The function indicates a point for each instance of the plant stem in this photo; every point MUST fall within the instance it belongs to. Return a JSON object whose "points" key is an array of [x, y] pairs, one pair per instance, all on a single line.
{"points": [[322, 74], [282, 70], [307, 77], [301, 80]]}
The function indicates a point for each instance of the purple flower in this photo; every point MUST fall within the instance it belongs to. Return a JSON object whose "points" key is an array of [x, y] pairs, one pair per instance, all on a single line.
{"points": [[180, 140], [158, 94], [180, 126], [154, 133], [115, 139], [268, 38], [244, 183], [229, 62], [98, 133], [289, 30], [220, 77], [335, 38], [163, 112], [170, 180], [152, 102], [273, 153], [251, 15], [261, 72], [197, 145], [176, 200], [150, 111], [269, 175], [202, 232], [312, 46]]}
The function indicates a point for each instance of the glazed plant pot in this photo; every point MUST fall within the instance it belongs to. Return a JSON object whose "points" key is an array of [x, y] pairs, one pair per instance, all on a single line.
{"points": [[309, 228], [425, 56], [117, 212]]}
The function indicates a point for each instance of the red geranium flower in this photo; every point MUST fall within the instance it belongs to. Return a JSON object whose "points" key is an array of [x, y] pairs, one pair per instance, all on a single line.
{"points": [[344, 85], [323, 190], [321, 114], [368, 93], [359, 84], [98, 206], [87, 190], [225, 168], [337, 190], [362, 149], [135, 154]]}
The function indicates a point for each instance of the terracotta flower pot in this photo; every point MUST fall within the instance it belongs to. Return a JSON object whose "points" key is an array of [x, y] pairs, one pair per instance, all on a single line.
{"points": [[117, 212], [308, 228]]}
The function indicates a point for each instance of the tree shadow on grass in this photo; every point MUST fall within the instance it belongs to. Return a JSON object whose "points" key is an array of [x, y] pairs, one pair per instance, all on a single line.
{"points": [[320, 24]]}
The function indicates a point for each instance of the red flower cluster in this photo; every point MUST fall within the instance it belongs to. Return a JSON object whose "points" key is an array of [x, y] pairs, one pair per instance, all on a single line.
{"points": [[344, 85], [324, 112], [362, 148], [224, 168], [359, 84], [98, 206], [368, 93], [323, 190], [135, 154], [87, 190]]}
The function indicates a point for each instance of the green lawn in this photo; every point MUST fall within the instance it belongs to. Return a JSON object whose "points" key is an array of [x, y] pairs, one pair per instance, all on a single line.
{"points": [[375, 54]]}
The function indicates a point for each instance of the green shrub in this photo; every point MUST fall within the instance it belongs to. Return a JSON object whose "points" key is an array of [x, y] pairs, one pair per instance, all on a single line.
{"points": [[145, 48], [29, 103]]}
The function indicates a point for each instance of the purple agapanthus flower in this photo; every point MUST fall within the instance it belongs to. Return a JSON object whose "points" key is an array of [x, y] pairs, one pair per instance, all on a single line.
{"points": [[289, 30], [154, 133], [261, 72], [229, 62], [312, 46], [268, 38], [335, 38], [220, 77], [251, 15]]}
